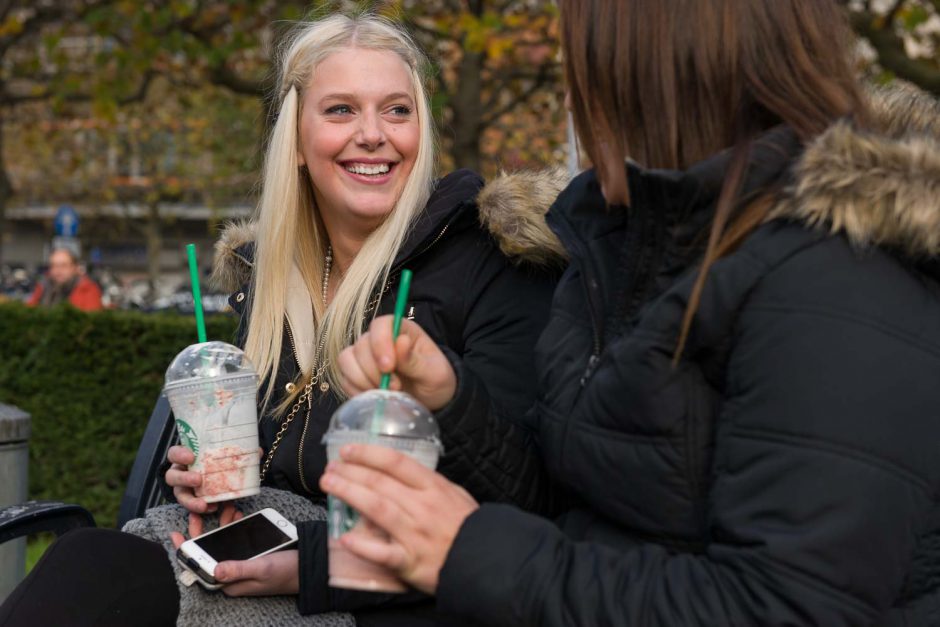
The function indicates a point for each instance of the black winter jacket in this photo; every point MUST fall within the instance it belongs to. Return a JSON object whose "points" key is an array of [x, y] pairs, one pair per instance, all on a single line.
{"points": [[485, 307], [787, 471]]}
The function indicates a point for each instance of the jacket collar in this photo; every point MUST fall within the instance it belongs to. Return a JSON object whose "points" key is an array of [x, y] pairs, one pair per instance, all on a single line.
{"points": [[878, 187], [511, 208]]}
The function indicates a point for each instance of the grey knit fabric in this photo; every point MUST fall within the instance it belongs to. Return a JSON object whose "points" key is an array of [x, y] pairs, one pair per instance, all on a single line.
{"points": [[201, 608]]}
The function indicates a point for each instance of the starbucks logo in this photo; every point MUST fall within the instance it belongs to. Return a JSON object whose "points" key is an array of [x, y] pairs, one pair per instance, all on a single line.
{"points": [[188, 437]]}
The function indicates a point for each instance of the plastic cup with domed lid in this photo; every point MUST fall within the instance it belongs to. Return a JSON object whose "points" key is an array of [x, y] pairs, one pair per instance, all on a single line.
{"points": [[213, 389], [383, 418]]}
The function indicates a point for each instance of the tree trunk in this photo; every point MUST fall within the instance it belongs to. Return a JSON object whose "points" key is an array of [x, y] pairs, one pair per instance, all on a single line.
{"points": [[6, 191], [467, 111], [154, 238]]}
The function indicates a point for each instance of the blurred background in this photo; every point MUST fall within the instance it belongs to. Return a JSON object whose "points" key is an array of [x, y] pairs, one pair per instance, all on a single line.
{"points": [[129, 128], [132, 127]]}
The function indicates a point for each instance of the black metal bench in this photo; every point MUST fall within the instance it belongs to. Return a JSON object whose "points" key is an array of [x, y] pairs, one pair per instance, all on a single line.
{"points": [[143, 489]]}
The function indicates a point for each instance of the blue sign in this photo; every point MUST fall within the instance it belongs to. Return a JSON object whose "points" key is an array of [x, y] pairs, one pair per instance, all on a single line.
{"points": [[66, 222]]}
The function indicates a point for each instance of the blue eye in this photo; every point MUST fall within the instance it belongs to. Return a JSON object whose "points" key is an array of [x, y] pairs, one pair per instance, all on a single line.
{"points": [[401, 110], [339, 110]]}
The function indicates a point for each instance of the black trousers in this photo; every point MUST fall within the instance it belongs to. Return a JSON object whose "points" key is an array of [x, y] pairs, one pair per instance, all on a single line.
{"points": [[98, 577], [104, 578]]}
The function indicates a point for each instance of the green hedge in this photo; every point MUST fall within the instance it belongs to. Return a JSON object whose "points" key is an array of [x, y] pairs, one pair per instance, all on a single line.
{"points": [[90, 381]]}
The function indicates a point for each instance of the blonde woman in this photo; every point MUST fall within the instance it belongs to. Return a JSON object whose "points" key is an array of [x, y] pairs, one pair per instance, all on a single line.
{"points": [[349, 198]]}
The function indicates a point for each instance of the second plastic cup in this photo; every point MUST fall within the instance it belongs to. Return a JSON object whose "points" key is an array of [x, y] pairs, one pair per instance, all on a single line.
{"points": [[384, 418], [213, 388]]}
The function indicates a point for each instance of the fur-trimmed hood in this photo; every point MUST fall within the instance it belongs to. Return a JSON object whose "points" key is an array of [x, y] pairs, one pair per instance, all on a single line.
{"points": [[879, 187], [512, 208]]}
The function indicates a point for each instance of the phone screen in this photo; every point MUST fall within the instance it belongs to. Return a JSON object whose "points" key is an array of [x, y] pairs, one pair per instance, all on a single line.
{"points": [[243, 540]]}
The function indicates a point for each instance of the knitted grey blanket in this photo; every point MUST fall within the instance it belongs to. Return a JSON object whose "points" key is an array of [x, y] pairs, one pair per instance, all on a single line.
{"points": [[202, 608]]}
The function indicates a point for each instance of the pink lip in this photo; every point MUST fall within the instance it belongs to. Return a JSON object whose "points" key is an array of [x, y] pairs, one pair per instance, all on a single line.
{"points": [[368, 161]]}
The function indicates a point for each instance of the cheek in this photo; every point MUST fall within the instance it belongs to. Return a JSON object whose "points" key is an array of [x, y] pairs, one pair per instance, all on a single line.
{"points": [[321, 142], [406, 142]]}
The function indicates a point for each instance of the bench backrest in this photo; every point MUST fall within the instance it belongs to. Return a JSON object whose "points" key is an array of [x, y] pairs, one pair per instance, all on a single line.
{"points": [[144, 486]]}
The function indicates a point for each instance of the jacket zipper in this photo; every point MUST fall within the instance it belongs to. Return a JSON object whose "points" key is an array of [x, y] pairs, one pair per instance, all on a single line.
{"points": [[401, 263], [566, 234], [324, 387], [290, 337]]}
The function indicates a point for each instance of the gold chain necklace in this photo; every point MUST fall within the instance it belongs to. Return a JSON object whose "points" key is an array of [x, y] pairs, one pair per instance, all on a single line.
{"points": [[307, 395]]}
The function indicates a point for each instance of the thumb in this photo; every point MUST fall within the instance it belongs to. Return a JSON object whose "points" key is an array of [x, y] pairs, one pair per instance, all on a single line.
{"points": [[234, 570], [177, 538], [406, 357]]}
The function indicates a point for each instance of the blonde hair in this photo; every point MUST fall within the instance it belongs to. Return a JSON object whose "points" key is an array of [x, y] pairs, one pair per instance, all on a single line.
{"points": [[289, 230]]}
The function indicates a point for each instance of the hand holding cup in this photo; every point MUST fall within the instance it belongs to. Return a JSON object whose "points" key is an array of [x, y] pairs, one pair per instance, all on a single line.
{"points": [[184, 481]]}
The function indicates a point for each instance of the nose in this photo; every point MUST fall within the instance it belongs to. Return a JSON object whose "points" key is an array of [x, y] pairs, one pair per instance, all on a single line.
{"points": [[371, 135]]}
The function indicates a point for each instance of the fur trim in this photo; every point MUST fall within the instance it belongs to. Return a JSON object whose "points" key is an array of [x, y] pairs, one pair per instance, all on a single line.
{"points": [[879, 187], [513, 207], [231, 270]]}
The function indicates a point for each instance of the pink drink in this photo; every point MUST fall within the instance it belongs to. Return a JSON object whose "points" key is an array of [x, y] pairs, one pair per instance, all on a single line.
{"points": [[349, 571], [213, 391]]}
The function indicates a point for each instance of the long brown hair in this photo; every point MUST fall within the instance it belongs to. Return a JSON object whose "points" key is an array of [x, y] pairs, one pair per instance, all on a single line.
{"points": [[671, 82]]}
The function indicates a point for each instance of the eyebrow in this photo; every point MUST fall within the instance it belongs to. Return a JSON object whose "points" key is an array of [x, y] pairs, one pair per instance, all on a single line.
{"points": [[398, 95]]}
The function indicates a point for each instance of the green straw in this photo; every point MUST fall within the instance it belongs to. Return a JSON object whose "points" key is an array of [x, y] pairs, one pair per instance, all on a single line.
{"points": [[197, 295], [400, 303]]}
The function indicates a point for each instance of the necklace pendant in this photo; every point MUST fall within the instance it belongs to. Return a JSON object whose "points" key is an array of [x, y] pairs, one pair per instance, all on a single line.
{"points": [[324, 387]]}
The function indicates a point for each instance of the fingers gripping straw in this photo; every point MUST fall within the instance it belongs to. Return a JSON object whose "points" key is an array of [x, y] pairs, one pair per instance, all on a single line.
{"points": [[385, 418], [212, 388]]}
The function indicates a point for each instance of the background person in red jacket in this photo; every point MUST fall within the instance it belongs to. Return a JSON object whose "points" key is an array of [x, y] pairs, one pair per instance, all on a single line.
{"points": [[66, 282]]}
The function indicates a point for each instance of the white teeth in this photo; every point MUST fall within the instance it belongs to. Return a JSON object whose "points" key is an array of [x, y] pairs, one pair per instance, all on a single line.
{"points": [[361, 168]]}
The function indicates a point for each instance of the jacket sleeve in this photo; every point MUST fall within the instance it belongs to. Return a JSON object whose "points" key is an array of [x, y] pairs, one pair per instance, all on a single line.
{"points": [[823, 482], [487, 431], [36, 295]]}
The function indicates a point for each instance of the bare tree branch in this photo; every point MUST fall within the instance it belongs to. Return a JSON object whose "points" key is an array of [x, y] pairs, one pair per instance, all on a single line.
{"points": [[892, 54], [893, 13], [518, 99], [502, 80], [224, 76], [137, 96], [5, 9]]}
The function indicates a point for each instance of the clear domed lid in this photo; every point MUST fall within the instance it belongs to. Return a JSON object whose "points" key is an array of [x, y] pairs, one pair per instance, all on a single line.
{"points": [[208, 360], [385, 413]]}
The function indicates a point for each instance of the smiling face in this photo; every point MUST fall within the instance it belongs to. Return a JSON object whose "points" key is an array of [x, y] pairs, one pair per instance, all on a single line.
{"points": [[359, 136]]}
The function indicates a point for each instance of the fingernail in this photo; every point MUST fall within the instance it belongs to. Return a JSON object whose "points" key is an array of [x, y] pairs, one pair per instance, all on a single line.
{"points": [[386, 362], [347, 450], [220, 573], [327, 480]]}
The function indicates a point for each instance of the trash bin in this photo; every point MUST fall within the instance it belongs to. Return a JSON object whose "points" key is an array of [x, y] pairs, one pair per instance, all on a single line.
{"points": [[14, 461]]}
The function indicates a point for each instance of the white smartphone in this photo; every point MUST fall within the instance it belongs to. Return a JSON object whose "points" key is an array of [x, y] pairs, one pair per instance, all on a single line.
{"points": [[255, 535]]}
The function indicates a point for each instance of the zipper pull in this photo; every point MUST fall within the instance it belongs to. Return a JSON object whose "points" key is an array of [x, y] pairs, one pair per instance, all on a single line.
{"points": [[591, 367]]}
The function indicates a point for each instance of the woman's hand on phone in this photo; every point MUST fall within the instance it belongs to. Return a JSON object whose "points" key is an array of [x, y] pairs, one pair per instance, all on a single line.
{"points": [[274, 573], [229, 515], [184, 481], [417, 363]]}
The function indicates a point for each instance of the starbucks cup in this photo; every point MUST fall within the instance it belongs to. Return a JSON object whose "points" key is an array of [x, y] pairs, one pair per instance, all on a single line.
{"points": [[213, 388], [383, 418]]}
